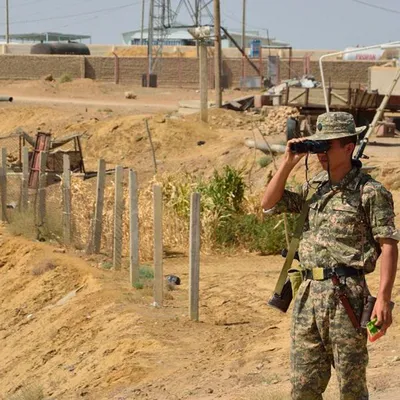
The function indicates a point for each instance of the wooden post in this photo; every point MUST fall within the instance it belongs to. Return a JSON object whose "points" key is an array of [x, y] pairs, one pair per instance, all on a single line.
{"points": [[67, 200], [194, 250], [203, 82], [133, 227], [98, 213], [3, 184], [307, 96], [42, 188], [151, 145], [158, 246], [118, 214], [243, 43], [25, 179], [286, 94]]}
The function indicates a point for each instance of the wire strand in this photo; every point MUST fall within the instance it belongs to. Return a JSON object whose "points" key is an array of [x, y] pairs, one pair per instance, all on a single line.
{"points": [[115, 8], [391, 10]]}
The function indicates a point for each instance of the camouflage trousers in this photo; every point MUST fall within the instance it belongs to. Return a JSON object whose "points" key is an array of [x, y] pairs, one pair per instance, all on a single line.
{"points": [[322, 336]]}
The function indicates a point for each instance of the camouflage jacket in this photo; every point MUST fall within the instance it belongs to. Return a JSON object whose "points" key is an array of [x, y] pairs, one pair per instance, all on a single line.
{"points": [[344, 221]]}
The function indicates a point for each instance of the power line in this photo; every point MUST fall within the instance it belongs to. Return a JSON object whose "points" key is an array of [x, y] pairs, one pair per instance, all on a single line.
{"points": [[226, 15], [391, 10], [18, 5], [76, 15]]}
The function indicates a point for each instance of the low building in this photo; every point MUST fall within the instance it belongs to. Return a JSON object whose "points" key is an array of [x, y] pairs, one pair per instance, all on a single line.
{"points": [[181, 37], [46, 37]]}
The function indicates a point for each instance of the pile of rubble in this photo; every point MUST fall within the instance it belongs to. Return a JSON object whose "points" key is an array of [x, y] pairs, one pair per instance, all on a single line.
{"points": [[275, 119]]}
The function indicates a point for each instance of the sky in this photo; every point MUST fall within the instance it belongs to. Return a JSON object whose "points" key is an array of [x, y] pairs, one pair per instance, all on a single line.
{"points": [[305, 24]]}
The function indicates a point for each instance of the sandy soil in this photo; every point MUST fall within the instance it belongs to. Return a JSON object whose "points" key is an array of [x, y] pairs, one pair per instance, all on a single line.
{"points": [[108, 342], [77, 330]]}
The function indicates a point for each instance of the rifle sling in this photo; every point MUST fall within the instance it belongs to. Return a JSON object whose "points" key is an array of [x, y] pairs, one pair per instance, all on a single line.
{"points": [[294, 244]]}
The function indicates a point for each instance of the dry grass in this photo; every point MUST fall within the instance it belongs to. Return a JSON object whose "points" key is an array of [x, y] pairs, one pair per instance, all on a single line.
{"points": [[23, 223], [31, 392], [42, 267], [175, 230], [176, 208]]}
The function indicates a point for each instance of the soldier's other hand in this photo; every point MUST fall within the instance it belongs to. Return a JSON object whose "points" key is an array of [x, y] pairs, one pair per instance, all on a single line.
{"points": [[293, 158], [383, 313]]}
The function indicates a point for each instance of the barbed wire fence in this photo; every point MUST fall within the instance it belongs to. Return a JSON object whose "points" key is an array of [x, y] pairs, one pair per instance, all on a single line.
{"points": [[100, 216]]}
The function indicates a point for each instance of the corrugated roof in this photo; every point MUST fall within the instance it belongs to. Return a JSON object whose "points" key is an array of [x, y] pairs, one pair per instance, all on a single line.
{"points": [[46, 36]]}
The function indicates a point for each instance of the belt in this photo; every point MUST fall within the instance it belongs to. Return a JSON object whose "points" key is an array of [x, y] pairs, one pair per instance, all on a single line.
{"points": [[321, 274]]}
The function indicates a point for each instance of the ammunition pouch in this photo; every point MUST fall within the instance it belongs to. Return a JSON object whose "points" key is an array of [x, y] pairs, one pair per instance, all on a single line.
{"points": [[296, 278]]}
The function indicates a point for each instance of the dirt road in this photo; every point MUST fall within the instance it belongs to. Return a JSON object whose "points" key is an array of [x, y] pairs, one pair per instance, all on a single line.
{"points": [[133, 105]]}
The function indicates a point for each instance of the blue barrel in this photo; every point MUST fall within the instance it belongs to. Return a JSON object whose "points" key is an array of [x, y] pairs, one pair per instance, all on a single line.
{"points": [[255, 46]]}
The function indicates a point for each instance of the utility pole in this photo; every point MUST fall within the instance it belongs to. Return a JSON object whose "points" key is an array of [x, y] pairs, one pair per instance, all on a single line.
{"points": [[150, 35], [142, 26], [243, 38], [197, 23], [203, 81], [217, 53], [202, 34], [7, 23]]}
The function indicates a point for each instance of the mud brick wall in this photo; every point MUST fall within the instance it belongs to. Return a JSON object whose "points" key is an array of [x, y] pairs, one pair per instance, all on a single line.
{"points": [[344, 71], [171, 72], [35, 67], [338, 72], [131, 70], [232, 67], [99, 68], [178, 72]]}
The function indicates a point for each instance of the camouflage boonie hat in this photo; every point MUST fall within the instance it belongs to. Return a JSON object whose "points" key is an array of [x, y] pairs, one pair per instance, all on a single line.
{"points": [[335, 125]]}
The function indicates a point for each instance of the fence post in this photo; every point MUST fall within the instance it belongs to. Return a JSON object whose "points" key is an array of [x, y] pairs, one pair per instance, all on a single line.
{"points": [[194, 254], [25, 179], [67, 199], [3, 184], [158, 246], [133, 227], [42, 188], [98, 212], [118, 214]]}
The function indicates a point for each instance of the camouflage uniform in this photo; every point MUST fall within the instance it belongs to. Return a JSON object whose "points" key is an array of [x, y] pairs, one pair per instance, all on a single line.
{"points": [[344, 224]]}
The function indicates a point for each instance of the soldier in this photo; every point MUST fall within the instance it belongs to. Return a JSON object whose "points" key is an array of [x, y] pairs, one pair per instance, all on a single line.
{"points": [[350, 224]]}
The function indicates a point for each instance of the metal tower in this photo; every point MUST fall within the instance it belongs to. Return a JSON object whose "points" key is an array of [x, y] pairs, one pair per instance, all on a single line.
{"points": [[167, 14]]}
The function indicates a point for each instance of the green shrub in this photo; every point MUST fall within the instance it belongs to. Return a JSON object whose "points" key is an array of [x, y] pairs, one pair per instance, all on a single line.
{"points": [[264, 161], [266, 236], [146, 273], [138, 285], [146, 278], [224, 193], [65, 78], [106, 265]]}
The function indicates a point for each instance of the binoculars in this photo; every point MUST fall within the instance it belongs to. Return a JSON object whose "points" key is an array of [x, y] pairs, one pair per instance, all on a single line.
{"points": [[310, 146]]}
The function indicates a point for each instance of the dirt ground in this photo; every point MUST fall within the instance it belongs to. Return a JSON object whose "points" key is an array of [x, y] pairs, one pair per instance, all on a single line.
{"points": [[74, 329]]}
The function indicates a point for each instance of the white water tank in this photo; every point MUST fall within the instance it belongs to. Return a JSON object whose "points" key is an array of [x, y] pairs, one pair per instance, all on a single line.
{"points": [[363, 55]]}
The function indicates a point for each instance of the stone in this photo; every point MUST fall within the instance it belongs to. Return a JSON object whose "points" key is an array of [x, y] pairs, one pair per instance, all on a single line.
{"points": [[130, 95], [49, 78]]}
